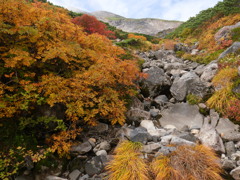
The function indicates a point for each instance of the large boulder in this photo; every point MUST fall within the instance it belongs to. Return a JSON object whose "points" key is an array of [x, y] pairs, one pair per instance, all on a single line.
{"points": [[209, 72], [136, 114], [82, 148], [232, 49], [235, 173], [94, 166], [224, 32], [210, 137], [227, 128], [188, 83], [155, 83], [182, 114]]}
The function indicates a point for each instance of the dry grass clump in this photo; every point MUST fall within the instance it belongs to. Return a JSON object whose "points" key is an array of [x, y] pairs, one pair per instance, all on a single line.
{"points": [[223, 82], [127, 164], [169, 44], [224, 77], [187, 163]]}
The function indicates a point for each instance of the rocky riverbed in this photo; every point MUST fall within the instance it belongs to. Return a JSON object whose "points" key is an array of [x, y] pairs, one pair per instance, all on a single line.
{"points": [[158, 116]]}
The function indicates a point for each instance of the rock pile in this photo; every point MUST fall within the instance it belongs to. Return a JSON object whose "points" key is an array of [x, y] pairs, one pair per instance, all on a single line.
{"points": [[158, 117]]}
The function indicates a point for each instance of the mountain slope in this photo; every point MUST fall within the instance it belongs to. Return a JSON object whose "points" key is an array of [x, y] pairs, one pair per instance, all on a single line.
{"points": [[147, 26]]}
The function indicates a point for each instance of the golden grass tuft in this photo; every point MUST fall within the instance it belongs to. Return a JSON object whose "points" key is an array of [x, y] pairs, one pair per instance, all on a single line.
{"points": [[223, 82], [224, 77], [188, 163], [127, 164], [221, 99]]}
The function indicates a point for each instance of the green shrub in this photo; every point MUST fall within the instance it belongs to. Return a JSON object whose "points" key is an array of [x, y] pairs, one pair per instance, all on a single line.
{"points": [[193, 99], [236, 34]]}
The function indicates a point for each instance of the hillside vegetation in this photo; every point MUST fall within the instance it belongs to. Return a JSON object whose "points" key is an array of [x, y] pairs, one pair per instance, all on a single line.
{"points": [[206, 32]]}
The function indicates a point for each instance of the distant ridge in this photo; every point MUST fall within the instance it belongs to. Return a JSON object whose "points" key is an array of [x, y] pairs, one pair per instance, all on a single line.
{"points": [[149, 26]]}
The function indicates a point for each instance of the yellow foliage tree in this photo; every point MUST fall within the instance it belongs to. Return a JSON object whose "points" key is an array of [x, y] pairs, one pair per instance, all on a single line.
{"points": [[137, 37], [46, 59]]}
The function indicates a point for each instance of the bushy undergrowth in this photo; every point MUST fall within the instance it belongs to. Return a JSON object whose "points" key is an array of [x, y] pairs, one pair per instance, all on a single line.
{"points": [[224, 8]]}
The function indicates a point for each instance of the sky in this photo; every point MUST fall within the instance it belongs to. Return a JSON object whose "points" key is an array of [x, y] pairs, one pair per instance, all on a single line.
{"points": [[180, 10]]}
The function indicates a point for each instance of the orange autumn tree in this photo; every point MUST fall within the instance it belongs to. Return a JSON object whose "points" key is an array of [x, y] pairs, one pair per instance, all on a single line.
{"points": [[91, 25], [46, 60]]}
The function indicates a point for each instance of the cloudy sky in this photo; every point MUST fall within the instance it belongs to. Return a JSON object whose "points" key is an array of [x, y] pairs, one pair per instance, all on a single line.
{"points": [[164, 9]]}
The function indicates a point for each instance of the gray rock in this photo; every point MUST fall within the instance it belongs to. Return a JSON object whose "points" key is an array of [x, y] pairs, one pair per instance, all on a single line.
{"points": [[137, 114], [235, 156], [165, 150], [102, 146], [230, 148], [136, 103], [235, 173], [156, 81], [106, 159], [195, 131], [94, 166], [148, 125], [150, 147], [177, 72], [161, 99], [188, 83], [82, 148], [234, 136], [186, 135], [227, 129], [85, 177], [154, 113], [199, 70], [214, 116], [238, 70], [232, 49], [209, 72], [228, 164], [101, 153], [202, 105], [159, 54], [194, 52], [52, 178], [147, 104], [77, 163], [210, 137], [179, 141], [175, 65], [74, 175], [165, 140], [170, 127], [139, 134], [182, 114], [224, 32]]}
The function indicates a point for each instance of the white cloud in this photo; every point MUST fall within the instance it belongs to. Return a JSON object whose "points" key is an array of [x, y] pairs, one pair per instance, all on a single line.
{"points": [[163, 9], [183, 10]]}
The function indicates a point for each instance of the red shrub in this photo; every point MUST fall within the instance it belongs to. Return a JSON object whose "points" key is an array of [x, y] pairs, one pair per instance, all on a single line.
{"points": [[233, 112], [92, 25]]}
